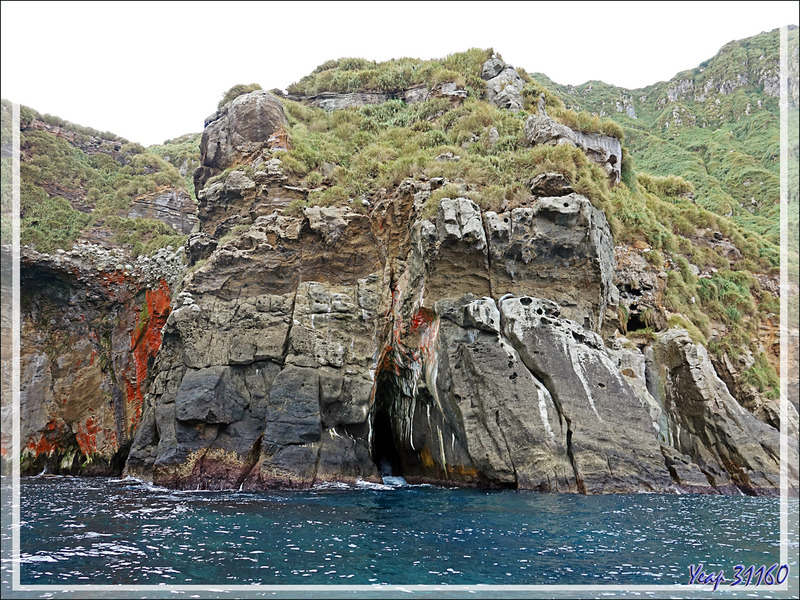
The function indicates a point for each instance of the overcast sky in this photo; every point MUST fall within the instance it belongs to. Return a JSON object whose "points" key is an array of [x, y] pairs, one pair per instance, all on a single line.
{"points": [[152, 71]]}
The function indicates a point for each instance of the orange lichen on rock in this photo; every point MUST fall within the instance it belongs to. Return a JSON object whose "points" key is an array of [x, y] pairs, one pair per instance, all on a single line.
{"points": [[42, 446], [279, 139], [422, 318], [47, 443], [86, 436], [145, 343]]}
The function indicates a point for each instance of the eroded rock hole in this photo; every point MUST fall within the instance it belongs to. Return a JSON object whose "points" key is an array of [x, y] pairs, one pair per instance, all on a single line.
{"points": [[385, 453], [635, 322]]}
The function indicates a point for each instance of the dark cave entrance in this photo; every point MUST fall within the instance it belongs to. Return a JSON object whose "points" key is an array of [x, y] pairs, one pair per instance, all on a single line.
{"points": [[385, 453], [635, 322]]}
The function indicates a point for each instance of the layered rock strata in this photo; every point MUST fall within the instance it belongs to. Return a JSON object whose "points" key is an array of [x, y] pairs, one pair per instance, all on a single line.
{"points": [[461, 349], [419, 93]]}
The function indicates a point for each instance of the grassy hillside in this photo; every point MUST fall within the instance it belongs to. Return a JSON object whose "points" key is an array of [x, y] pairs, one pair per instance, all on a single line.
{"points": [[699, 158], [75, 179], [716, 125]]}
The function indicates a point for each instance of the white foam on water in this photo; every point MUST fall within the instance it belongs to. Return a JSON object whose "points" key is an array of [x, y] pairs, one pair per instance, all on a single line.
{"points": [[394, 481], [331, 485], [28, 558]]}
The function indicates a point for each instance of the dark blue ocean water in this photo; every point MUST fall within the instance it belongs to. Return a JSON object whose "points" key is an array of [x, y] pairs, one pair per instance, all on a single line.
{"points": [[111, 531]]}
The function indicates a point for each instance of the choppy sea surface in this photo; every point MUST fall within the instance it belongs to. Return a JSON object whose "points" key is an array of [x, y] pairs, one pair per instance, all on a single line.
{"points": [[122, 531]]}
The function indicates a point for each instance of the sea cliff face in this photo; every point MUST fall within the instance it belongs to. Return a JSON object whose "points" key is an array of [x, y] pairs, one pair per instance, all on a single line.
{"points": [[414, 327], [91, 329], [471, 347]]}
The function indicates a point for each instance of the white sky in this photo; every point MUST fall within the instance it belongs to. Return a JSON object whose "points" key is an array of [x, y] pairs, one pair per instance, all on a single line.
{"points": [[153, 71]]}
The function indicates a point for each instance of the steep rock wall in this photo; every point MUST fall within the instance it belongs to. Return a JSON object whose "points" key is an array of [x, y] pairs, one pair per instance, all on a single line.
{"points": [[461, 349], [89, 335]]}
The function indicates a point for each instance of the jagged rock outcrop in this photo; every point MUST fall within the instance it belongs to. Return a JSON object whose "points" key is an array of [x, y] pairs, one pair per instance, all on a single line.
{"points": [[704, 422], [90, 330], [503, 85], [239, 129], [592, 397], [294, 349], [604, 150], [560, 248]]}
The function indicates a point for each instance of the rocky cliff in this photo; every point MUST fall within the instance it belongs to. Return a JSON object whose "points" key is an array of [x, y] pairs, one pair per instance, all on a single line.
{"points": [[432, 270], [91, 328], [468, 347]]}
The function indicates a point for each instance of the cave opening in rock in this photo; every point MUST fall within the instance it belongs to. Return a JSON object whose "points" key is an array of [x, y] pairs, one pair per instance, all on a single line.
{"points": [[639, 319], [635, 322], [385, 453]]}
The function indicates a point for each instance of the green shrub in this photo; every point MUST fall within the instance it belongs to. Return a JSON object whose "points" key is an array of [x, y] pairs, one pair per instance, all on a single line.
{"points": [[669, 186], [762, 376], [236, 91]]}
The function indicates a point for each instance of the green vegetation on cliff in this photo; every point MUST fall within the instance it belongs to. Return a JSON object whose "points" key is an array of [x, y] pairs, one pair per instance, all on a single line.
{"points": [[716, 125], [677, 189], [347, 75], [75, 179]]}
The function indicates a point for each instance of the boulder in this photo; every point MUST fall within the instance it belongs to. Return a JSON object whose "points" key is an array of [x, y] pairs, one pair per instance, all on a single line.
{"points": [[491, 68], [238, 129], [504, 90], [604, 150]]}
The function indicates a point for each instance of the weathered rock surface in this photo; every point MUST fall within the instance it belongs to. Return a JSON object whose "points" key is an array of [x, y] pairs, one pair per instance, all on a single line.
{"points": [[463, 349], [199, 246], [704, 422], [293, 349], [331, 101], [503, 85], [592, 397], [550, 184], [604, 150], [90, 333], [171, 206], [560, 248], [239, 129]]}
